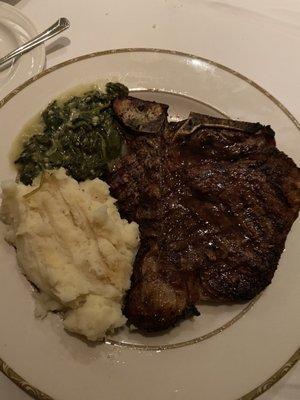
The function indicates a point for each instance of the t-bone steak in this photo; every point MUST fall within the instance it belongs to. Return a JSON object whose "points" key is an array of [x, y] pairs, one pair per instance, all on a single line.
{"points": [[214, 199]]}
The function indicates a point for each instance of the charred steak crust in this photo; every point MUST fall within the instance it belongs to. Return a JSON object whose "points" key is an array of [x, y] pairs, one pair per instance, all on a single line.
{"points": [[141, 116], [214, 199]]}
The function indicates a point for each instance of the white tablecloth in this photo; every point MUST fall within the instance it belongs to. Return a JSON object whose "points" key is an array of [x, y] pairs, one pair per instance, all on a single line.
{"points": [[259, 38]]}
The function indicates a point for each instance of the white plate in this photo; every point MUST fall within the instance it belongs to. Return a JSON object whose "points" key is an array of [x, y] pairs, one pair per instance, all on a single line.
{"points": [[15, 30], [229, 352]]}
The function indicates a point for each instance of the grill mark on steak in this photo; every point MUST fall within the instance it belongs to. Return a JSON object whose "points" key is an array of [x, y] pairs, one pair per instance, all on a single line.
{"points": [[214, 199]]}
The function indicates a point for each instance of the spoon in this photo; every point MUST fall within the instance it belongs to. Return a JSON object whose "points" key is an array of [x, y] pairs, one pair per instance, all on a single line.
{"points": [[60, 25]]}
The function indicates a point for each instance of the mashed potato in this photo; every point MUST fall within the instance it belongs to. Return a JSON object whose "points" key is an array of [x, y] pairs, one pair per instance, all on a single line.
{"points": [[73, 245]]}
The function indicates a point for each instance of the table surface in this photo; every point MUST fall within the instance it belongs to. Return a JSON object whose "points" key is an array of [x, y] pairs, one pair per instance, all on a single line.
{"points": [[260, 39]]}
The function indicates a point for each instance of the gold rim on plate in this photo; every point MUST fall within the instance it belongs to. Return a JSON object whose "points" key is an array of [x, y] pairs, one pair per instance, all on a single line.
{"points": [[282, 371]]}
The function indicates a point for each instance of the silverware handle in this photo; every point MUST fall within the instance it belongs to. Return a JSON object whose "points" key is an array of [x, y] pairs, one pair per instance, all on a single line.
{"points": [[60, 25]]}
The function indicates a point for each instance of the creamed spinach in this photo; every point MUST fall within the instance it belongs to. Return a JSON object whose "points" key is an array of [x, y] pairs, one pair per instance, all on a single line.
{"points": [[80, 134]]}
